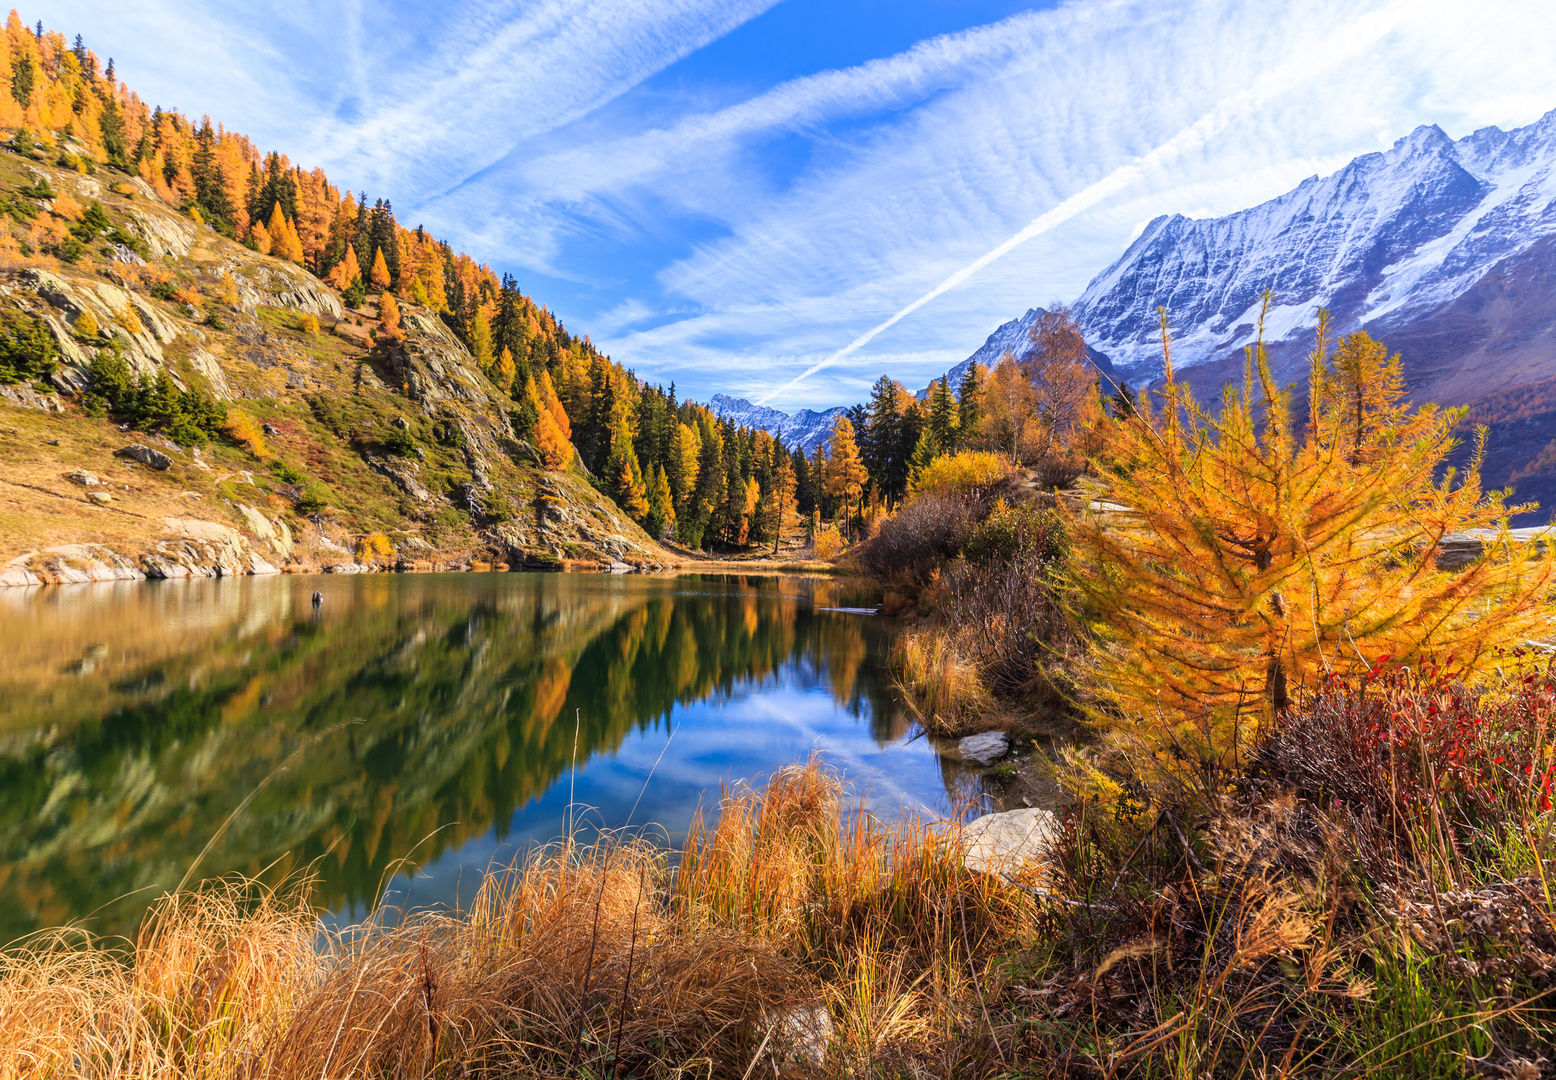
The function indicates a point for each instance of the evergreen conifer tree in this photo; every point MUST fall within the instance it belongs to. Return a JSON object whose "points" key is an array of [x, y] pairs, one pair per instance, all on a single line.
{"points": [[942, 416]]}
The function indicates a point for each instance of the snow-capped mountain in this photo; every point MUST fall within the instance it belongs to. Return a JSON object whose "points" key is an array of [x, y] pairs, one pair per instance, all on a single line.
{"points": [[805, 429], [1386, 242]]}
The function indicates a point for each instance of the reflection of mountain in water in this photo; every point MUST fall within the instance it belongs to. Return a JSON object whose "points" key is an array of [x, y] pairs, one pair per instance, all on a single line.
{"points": [[114, 773]]}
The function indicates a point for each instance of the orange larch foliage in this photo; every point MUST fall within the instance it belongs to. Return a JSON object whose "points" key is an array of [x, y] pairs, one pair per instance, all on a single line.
{"points": [[346, 271], [378, 277]]}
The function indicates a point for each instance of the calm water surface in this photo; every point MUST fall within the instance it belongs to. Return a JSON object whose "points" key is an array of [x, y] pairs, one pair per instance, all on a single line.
{"points": [[414, 729]]}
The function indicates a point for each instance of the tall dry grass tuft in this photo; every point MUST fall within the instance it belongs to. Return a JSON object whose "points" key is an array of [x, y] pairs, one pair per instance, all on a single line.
{"points": [[208, 982], [793, 936], [939, 678]]}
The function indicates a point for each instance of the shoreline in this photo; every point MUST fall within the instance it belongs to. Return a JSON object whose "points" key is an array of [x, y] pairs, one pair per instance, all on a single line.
{"points": [[83, 564]]}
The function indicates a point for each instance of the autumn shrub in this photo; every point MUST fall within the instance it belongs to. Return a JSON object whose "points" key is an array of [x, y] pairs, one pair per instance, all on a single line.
{"points": [[1014, 531], [67, 207], [1402, 742], [970, 474], [308, 324], [374, 546], [246, 432], [226, 291], [827, 542], [1010, 619], [86, 327], [127, 318], [925, 532]]}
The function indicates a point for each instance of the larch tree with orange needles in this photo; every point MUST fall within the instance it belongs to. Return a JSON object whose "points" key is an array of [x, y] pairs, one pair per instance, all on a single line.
{"points": [[346, 271], [378, 276], [846, 473], [1258, 558]]}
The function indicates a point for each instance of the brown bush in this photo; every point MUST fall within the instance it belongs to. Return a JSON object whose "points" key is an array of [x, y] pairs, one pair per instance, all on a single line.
{"points": [[926, 532]]}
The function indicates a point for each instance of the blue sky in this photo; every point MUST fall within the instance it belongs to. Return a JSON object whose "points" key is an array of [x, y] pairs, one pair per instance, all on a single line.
{"points": [[743, 195]]}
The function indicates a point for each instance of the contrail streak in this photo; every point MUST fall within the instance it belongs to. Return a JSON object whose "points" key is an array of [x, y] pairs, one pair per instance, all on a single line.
{"points": [[1345, 44]]}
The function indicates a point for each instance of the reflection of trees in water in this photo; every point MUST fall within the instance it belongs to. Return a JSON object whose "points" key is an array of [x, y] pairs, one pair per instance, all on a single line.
{"points": [[466, 688]]}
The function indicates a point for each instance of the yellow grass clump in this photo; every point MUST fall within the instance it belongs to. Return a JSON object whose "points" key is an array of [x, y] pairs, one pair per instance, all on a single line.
{"points": [[943, 684], [791, 938]]}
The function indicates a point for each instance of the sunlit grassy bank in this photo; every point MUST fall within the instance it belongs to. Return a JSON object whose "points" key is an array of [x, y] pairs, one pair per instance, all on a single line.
{"points": [[791, 936]]}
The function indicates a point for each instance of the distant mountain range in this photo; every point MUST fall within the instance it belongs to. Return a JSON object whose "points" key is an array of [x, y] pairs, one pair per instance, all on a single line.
{"points": [[1444, 249], [805, 429], [1015, 338]]}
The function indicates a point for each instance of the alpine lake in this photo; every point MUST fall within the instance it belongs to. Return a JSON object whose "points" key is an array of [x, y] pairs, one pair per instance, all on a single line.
{"points": [[407, 733]]}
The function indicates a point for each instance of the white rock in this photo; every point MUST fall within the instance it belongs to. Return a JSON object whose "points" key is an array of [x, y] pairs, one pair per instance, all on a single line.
{"points": [[1004, 842], [984, 749]]}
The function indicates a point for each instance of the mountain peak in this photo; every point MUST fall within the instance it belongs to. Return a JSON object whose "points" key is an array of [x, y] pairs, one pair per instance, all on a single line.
{"points": [[1386, 237]]}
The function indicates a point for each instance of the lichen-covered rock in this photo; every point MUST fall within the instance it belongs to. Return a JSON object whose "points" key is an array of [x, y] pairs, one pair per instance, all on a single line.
{"points": [[164, 234]]}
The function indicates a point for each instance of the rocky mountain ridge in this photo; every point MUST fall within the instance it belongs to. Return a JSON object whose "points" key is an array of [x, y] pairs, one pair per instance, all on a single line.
{"points": [[805, 429], [1389, 240]]}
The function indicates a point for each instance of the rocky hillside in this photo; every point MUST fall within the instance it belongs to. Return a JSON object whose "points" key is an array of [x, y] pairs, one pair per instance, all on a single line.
{"points": [[339, 453]]}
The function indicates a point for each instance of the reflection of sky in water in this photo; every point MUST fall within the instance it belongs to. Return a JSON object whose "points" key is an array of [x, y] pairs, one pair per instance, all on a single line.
{"points": [[417, 720], [763, 725]]}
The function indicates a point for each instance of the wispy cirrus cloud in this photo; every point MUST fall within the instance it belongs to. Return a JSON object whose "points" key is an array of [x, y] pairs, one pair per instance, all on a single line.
{"points": [[405, 98], [731, 233], [916, 165]]}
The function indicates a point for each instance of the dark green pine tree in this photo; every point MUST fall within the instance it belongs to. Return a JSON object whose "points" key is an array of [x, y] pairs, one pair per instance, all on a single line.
{"points": [[210, 185], [968, 404], [23, 76], [942, 416], [877, 432], [909, 430], [1123, 402], [804, 497], [595, 440], [111, 123]]}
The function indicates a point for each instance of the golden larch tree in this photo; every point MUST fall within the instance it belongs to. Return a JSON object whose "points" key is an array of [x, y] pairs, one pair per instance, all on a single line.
{"points": [[389, 318], [346, 271], [553, 404], [378, 277], [1256, 559], [846, 473]]}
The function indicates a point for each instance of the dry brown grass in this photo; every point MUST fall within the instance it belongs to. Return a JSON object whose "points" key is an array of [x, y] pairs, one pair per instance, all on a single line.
{"points": [[940, 677], [793, 938]]}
